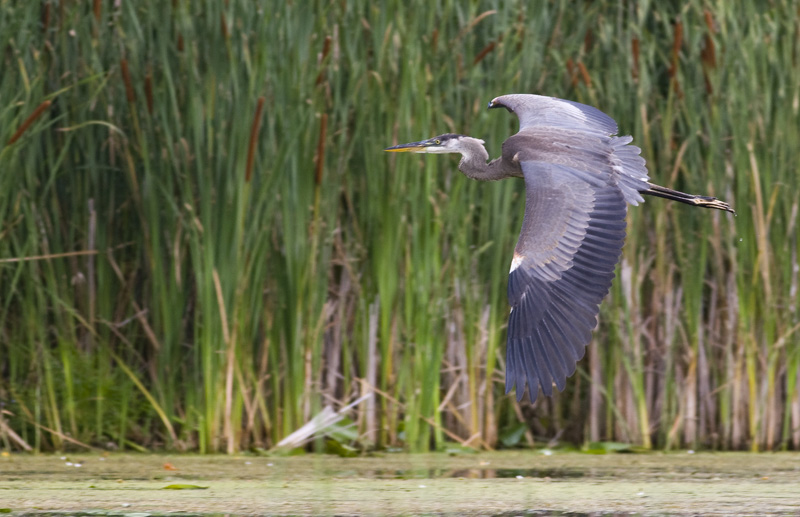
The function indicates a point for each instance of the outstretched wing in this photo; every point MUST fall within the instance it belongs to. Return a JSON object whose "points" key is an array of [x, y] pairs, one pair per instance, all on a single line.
{"points": [[575, 132], [538, 110], [571, 239]]}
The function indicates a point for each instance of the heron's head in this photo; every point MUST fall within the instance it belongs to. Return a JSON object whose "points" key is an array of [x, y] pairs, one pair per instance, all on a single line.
{"points": [[500, 102], [447, 143]]}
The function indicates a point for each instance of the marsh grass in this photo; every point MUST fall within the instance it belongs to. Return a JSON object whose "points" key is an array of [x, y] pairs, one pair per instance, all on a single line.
{"points": [[202, 244]]}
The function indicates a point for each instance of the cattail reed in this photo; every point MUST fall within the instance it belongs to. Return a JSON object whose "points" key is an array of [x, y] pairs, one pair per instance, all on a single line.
{"points": [[588, 41], [148, 92], [41, 108], [45, 17], [390, 280], [587, 80], [326, 48], [572, 72], [708, 54], [482, 54], [130, 94], [223, 24], [251, 149], [677, 41], [319, 158]]}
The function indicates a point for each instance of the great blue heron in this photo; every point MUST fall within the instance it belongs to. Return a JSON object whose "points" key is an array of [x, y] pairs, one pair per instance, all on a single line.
{"points": [[579, 179]]}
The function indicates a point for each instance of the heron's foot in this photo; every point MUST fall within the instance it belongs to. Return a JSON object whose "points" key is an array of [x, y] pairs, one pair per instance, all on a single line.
{"points": [[712, 202]]}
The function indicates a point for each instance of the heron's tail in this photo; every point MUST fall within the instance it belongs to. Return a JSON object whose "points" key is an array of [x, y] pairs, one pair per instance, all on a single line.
{"points": [[689, 199]]}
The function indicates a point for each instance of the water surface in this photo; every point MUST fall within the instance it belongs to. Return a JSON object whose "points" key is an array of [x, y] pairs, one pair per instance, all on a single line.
{"points": [[503, 483]]}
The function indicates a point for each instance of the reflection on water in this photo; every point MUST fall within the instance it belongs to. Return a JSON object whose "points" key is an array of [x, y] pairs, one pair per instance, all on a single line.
{"points": [[549, 513], [473, 473]]}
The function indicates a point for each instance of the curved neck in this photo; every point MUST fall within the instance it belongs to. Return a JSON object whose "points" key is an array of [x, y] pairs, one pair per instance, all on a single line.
{"points": [[473, 163]]}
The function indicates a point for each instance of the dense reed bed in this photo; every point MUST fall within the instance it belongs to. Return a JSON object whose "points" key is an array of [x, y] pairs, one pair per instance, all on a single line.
{"points": [[202, 243]]}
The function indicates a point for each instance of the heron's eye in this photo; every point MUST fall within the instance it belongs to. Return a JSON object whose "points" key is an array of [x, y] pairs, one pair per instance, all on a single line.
{"points": [[437, 141]]}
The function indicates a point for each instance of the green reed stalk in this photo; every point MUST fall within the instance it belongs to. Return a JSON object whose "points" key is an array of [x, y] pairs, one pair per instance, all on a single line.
{"points": [[173, 277]]}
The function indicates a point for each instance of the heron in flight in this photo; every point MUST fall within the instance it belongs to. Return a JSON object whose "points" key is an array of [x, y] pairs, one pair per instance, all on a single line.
{"points": [[579, 180]]}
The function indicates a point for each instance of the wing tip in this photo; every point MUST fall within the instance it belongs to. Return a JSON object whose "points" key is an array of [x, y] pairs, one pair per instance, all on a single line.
{"points": [[520, 392]]}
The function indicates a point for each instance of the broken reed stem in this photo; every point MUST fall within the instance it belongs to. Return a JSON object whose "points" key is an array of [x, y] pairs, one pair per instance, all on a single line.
{"points": [[6, 430], [61, 255], [126, 78], [28, 121], [425, 419], [62, 436], [251, 151], [230, 358], [320, 158]]}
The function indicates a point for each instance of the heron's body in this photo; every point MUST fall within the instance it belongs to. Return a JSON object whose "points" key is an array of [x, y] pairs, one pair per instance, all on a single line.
{"points": [[579, 179]]}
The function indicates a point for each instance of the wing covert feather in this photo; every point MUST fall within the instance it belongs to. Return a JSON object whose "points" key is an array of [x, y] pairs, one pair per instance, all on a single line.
{"points": [[539, 110]]}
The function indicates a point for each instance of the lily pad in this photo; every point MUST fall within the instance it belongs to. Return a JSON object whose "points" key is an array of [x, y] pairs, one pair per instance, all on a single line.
{"points": [[180, 486]]}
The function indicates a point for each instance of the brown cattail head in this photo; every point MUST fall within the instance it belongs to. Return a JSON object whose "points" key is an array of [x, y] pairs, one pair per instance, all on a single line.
{"points": [[28, 121], [320, 158], [45, 16], [254, 129], [483, 53], [588, 40], [587, 80], [572, 72], [708, 54], [223, 22], [126, 78], [677, 40], [148, 92], [326, 48]]}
